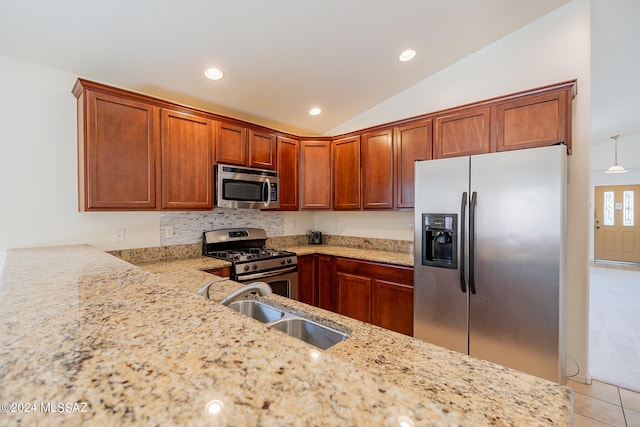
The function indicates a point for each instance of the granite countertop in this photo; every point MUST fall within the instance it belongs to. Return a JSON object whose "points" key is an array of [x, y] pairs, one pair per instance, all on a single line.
{"points": [[100, 341]]}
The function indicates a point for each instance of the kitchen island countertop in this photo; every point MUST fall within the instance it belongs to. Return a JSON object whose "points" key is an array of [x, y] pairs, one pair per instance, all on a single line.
{"points": [[117, 344]]}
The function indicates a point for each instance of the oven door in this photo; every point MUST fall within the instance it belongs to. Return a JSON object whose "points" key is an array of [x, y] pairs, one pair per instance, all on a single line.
{"points": [[283, 281]]}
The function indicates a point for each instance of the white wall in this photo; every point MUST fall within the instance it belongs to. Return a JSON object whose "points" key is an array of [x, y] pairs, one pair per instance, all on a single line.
{"points": [[553, 49], [38, 167]]}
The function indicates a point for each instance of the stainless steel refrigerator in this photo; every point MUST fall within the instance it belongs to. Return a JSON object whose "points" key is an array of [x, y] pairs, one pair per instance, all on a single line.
{"points": [[490, 256]]}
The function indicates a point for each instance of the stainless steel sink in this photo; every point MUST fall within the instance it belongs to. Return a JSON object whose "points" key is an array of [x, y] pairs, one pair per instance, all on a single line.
{"points": [[257, 310], [310, 332]]}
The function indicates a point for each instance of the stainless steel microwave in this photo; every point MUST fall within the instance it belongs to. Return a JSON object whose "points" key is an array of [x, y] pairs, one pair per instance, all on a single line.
{"points": [[242, 187]]}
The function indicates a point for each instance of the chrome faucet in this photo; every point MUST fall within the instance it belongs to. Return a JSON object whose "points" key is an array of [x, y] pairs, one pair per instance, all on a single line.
{"points": [[204, 290], [261, 288]]}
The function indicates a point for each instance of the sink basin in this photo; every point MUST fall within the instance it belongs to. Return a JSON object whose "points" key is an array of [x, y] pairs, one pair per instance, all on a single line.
{"points": [[257, 310], [310, 332]]}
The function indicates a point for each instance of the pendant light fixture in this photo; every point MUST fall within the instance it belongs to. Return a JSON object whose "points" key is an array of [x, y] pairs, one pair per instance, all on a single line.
{"points": [[616, 168]]}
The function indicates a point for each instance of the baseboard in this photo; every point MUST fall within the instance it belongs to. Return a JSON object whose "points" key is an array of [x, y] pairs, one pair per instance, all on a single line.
{"points": [[584, 379]]}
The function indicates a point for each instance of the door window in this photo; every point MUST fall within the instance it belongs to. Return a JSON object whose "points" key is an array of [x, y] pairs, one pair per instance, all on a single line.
{"points": [[609, 213], [628, 214]]}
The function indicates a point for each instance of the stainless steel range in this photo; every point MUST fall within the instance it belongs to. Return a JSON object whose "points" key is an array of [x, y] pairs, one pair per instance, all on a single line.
{"points": [[251, 261]]}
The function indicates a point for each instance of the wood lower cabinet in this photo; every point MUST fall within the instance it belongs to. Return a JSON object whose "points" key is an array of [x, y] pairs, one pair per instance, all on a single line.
{"points": [[262, 150], [462, 133], [315, 280], [534, 121], [392, 306], [118, 152], [315, 175], [307, 280], [288, 155], [345, 170], [353, 295], [231, 144], [187, 161], [412, 142], [377, 169], [222, 271], [378, 293]]}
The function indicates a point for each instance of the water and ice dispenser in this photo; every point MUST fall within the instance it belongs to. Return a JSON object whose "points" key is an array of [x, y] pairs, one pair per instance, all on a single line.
{"points": [[440, 240]]}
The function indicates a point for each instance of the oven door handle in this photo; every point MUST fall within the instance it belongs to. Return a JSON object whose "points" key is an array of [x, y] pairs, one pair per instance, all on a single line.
{"points": [[266, 274]]}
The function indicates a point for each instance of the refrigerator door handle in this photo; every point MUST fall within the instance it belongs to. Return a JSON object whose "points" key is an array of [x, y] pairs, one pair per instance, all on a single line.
{"points": [[463, 214], [472, 242]]}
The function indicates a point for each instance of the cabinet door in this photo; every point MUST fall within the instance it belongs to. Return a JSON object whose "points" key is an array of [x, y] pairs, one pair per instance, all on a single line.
{"points": [[315, 175], [118, 155], [377, 170], [187, 178], [392, 306], [325, 281], [222, 271], [288, 158], [262, 150], [353, 295], [412, 142], [345, 168], [534, 121], [307, 280], [231, 144], [463, 133]]}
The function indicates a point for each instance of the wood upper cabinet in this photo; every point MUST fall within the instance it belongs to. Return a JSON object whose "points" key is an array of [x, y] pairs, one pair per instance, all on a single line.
{"points": [[345, 168], [231, 144], [187, 161], [534, 121], [377, 169], [262, 150], [118, 152], [315, 174], [462, 133], [288, 160], [412, 142]]}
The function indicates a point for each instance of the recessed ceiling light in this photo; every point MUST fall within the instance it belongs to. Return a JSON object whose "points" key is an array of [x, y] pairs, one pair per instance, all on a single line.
{"points": [[315, 111], [214, 74], [407, 55]]}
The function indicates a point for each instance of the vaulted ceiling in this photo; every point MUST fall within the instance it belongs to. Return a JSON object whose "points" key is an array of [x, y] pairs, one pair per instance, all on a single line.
{"points": [[282, 57]]}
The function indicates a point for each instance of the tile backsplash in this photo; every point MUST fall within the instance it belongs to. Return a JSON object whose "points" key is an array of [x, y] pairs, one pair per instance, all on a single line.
{"points": [[187, 227]]}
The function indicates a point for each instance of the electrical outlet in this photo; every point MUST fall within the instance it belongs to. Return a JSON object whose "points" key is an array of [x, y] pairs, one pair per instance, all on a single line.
{"points": [[119, 235], [411, 227], [168, 231]]}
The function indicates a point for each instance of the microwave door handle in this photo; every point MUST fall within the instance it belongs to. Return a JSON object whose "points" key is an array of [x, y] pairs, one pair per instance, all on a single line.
{"points": [[266, 186]]}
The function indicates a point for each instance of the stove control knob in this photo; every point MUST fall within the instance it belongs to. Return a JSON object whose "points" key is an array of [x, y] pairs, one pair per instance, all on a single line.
{"points": [[288, 260], [246, 267], [282, 261], [254, 266]]}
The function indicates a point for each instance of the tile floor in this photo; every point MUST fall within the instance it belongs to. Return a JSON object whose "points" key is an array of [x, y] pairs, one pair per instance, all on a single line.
{"points": [[616, 265], [601, 404]]}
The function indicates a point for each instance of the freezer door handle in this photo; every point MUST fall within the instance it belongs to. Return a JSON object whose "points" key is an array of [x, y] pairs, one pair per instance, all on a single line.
{"points": [[472, 241], [463, 214]]}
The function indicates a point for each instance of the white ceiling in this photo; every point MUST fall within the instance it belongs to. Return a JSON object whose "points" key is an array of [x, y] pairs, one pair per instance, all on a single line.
{"points": [[280, 57]]}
